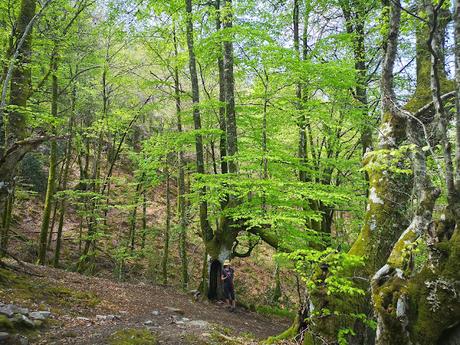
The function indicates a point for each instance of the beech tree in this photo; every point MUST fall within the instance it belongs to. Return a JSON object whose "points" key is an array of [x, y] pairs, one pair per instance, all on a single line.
{"points": [[325, 133]]}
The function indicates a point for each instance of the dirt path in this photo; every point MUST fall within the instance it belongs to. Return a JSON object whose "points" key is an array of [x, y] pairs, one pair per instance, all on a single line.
{"points": [[174, 317]]}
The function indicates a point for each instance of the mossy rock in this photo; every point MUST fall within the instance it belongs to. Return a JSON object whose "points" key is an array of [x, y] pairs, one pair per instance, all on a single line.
{"points": [[133, 336], [5, 323]]}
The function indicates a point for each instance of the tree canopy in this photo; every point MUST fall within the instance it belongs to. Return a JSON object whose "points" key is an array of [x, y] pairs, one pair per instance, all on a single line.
{"points": [[327, 130]]}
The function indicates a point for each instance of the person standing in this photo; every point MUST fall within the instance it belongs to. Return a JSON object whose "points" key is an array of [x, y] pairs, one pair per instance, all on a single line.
{"points": [[229, 288]]}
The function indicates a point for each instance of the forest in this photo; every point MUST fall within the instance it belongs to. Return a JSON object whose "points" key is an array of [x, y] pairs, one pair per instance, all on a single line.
{"points": [[313, 145]]}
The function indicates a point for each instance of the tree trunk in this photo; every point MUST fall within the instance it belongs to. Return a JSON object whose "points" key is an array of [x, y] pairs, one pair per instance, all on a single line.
{"points": [[422, 306], [6, 221], [21, 77], [19, 93], [181, 178], [144, 217], [457, 82], [65, 177], [222, 120], [301, 117], [229, 87], [164, 261], [206, 230], [385, 216], [50, 189], [94, 207], [133, 218]]}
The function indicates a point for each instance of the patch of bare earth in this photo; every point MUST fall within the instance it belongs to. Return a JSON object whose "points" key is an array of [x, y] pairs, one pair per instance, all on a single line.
{"points": [[173, 316]]}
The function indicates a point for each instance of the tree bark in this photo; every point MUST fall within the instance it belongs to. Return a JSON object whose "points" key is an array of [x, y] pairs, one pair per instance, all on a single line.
{"points": [[65, 177], [144, 217], [457, 82], [50, 189], [222, 119], [229, 86], [206, 231], [133, 218], [20, 78], [422, 305], [164, 261], [387, 202], [182, 205]]}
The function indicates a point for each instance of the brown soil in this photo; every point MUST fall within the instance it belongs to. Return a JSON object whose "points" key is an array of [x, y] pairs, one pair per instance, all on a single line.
{"points": [[134, 304]]}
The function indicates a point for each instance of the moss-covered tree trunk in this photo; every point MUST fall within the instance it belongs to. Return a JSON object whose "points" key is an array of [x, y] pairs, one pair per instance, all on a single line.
{"points": [[385, 215], [20, 75], [422, 305]]}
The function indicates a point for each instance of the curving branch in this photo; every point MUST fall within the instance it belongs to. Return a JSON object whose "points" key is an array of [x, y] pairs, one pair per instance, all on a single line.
{"points": [[247, 253]]}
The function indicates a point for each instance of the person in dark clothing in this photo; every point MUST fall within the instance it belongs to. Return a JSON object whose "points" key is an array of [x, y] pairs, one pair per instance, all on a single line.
{"points": [[229, 289]]}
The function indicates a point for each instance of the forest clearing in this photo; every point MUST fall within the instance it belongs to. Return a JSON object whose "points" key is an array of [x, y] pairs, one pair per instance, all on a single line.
{"points": [[230, 172]]}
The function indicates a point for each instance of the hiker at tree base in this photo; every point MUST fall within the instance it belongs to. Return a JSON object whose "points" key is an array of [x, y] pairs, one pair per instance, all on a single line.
{"points": [[229, 288]]}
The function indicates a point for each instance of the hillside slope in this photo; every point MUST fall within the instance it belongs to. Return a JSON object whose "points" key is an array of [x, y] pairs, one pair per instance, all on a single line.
{"points": [[88, 310]]}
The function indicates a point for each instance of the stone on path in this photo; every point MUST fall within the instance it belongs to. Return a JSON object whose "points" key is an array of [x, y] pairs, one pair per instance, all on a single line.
{"points": [[23, 320], [40, 315], [109, 317], [24, 311], [7, 310], [81, 318], [176, 310], [23, 340], [199, 323]]}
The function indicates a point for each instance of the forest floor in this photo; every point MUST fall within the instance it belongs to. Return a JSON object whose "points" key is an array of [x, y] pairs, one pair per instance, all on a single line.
{"points": [[89, 310]]}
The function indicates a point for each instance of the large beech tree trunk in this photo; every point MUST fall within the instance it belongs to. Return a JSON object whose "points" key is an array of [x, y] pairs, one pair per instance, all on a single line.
{"points": [[12, 146], [422, 305], [385, 216]]}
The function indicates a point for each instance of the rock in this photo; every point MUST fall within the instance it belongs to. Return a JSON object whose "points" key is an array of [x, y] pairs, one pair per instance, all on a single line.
{"points": [[22, 320], [81, 318], [24, 311], [9, 310], [155, 313], [175, 310], [107, 317], [185, 319], [199, 323], [5, 323], [40, 315], [23, 340], [148, 323], [4, 336], [180, 322], [38, 323]]}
